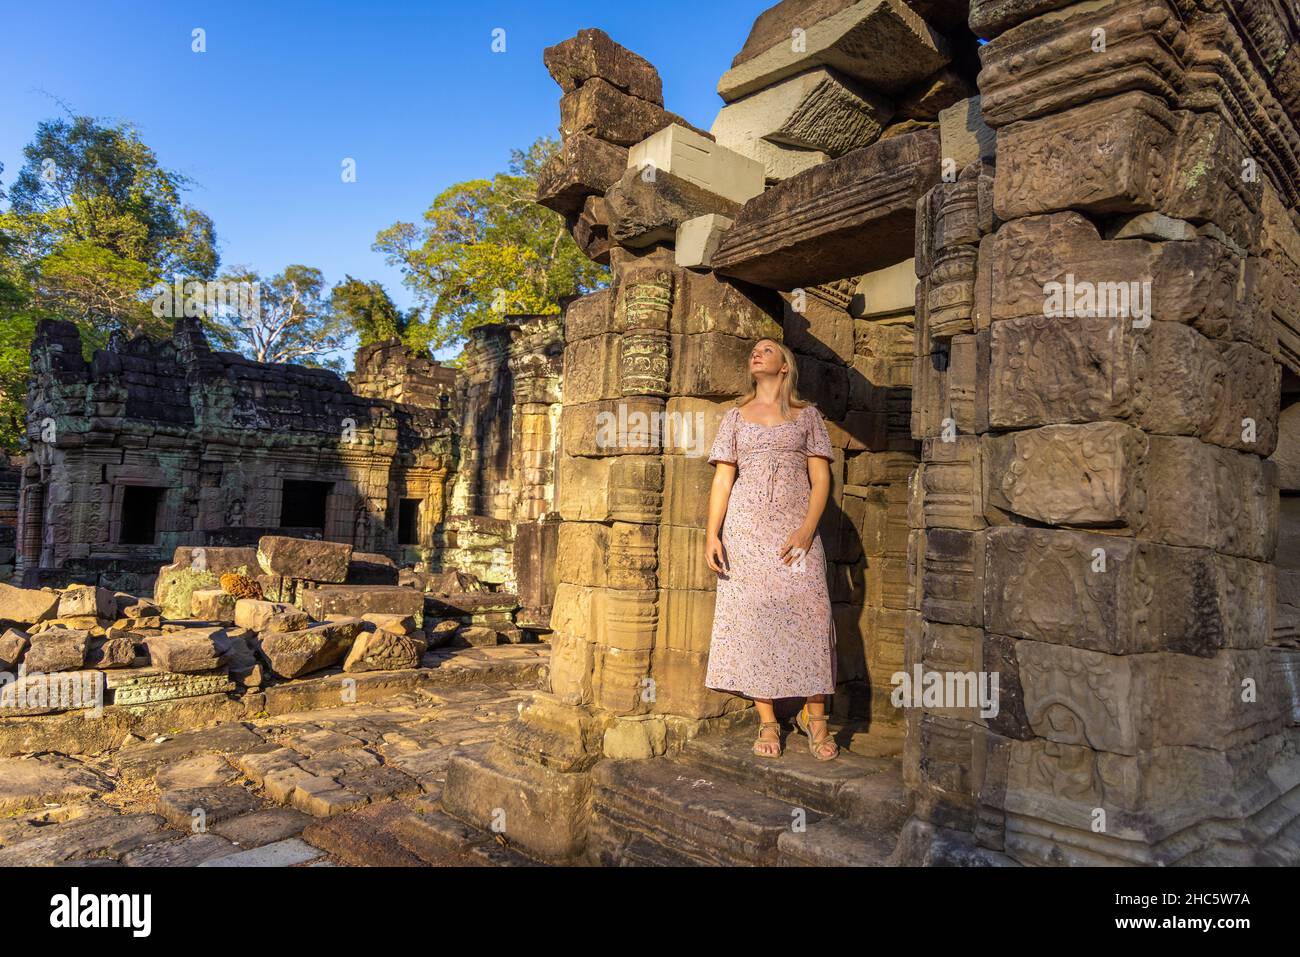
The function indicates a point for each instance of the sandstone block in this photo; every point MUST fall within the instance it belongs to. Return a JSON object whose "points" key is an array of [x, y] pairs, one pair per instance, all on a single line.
{"points": [[645, 211], [881, 43], [303, 559], [697, 239], [337, 601], [260, 616], [294, 653], [188, 651], [212, 604], [1120, 595], [817, 110], [843, 218], [690, 157], [88, 601], [582, 167], [27, 606], [598, 108], [964, 137], [382, 651], [592, 54], [57, 649]]}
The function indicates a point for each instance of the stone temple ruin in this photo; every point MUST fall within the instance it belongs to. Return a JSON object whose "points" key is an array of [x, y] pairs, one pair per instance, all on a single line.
{"points": [[1040, 264]]}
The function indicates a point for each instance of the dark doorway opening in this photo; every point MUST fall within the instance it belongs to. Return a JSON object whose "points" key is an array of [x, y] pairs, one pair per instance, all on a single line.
{"points": [[139, 525], [302, 504], [408, 522]]}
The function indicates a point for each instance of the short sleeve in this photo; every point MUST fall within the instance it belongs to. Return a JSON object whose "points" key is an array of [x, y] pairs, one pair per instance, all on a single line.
{"points": [[818, 441], [724, 445]]}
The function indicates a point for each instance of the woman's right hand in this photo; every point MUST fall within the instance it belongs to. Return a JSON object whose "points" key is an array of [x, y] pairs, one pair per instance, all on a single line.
{"points": [[715, 554]]}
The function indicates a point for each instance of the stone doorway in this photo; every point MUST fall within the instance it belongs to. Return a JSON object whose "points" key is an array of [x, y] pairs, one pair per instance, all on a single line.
{"points": [[303, 504]]}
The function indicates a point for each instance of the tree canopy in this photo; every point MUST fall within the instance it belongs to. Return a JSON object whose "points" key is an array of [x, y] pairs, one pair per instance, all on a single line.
{"points": [[485, 249]]}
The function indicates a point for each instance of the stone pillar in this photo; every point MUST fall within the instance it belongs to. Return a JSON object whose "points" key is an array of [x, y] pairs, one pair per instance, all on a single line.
{"points": [[1096, 515]]}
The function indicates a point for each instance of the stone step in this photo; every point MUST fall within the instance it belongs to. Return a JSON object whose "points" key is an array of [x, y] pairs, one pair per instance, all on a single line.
{"points": [[412, 832], [837, 842], [663, 811], [851, 786]]}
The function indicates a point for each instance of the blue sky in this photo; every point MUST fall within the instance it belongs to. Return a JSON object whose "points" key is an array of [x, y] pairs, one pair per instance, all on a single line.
{"points": [[262, 120]]}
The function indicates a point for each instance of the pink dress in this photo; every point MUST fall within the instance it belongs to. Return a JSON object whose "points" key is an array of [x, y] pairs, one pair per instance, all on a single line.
{"points": [[773, 633]]}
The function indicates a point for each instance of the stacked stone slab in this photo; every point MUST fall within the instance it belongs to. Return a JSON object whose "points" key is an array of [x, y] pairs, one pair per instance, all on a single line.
{"points": [[817, 79], [218, 436], [612, 99], [1096, 515]]}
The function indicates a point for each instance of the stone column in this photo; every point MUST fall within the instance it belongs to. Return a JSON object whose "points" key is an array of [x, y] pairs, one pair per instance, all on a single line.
{"points": [[1096, 516]]}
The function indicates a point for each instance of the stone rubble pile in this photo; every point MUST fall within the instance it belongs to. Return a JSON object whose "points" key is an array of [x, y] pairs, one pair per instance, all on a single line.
{"points": [[198, 634]]}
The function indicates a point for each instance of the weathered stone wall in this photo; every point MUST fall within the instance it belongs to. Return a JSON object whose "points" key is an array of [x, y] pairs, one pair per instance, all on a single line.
{"points": [[218, 436], [501, 525], [10, 478], [1096, 515]]}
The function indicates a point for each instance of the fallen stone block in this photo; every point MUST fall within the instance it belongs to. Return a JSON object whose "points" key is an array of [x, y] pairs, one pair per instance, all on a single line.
{"points": [[88, 601], [113, 652], [303, 559], [57, 649], [295, 653], [382, 651], [188, 651], [212, 604], [136, 688], [367, 568], [337, 601], [260, 616], [26, 606], [12, 645]]}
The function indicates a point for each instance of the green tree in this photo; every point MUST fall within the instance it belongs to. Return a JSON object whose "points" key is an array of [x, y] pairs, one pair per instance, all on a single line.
{"points": [[371, 313], [93, 223], [96, 222], [294, 320], [486, 249]]}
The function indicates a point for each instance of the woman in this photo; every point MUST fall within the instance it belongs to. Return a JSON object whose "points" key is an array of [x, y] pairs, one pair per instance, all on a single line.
{"points": [[773, 634]]}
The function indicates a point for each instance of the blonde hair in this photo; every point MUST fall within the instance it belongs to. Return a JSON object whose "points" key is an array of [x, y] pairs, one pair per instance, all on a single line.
{"points": [[788, 394]]}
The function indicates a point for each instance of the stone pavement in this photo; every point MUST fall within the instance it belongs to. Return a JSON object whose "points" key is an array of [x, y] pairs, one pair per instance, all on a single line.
{"points": [[350, 784]]}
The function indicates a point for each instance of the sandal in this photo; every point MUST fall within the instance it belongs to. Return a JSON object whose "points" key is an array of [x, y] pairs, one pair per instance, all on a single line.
{"points": [[762, 745], [817, 748]]}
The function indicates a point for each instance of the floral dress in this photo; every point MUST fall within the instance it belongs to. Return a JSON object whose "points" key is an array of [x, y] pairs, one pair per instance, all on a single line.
{"points": [[773, 633]]}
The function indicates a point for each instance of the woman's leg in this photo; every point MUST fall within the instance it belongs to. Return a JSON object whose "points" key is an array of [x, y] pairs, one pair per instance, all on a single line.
{"points": [[819, 731], [769, 739]]}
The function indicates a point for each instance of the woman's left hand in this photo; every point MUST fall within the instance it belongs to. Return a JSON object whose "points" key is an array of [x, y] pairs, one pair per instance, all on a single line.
{"points": [[797, 545]]}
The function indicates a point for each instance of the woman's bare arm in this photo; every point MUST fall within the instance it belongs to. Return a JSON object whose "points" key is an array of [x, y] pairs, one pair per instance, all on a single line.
{"points": [[819, 481], [724, 476]]}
